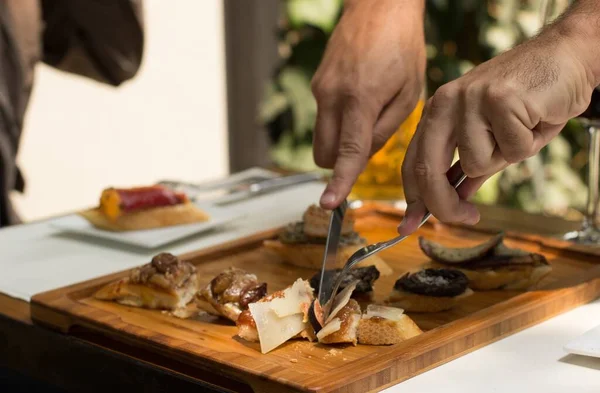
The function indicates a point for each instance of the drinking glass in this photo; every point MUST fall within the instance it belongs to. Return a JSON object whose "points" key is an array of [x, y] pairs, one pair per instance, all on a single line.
{"points": [[589, 233]]}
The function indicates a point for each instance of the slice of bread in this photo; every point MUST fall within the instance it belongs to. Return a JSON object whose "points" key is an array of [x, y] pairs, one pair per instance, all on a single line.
{"points": [[343, 327], [311, 256], [385, 326], [413, 302], [146, 296], [511, 277], [159, 217]]}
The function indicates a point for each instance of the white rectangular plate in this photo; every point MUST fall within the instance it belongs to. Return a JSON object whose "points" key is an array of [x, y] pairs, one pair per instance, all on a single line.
{"points": [[588, 344], [150, 238]]}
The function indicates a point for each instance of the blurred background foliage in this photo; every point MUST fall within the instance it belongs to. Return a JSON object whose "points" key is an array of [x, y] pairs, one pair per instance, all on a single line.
{"points": [[460, 34]]}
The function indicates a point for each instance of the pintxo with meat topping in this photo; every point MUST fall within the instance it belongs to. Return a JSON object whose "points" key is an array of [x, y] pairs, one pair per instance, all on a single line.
{"points": [[430, 290], [303, 243], [491, 265], [166, 283]]}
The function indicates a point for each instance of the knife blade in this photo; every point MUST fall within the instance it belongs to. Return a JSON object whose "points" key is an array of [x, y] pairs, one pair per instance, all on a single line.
{"points": [[329, 258]]}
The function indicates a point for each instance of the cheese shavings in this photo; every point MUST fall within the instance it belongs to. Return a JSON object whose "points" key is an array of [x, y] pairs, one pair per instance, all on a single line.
{"points": [[391, 313], [273, 330], [293, 300], [341, 300], [330, 328]]}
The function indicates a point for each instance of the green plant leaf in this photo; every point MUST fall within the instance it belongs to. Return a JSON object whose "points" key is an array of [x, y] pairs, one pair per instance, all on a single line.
{"points": [[296, 86], [319, 13], [273, 104]]}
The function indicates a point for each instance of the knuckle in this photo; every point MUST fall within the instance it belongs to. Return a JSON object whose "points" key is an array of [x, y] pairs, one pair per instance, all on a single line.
{"points": [[515, 156], [473, 167], [322, 89], [352, 149], [443, 97], [498, 93], [514, 148], [421, 170]]}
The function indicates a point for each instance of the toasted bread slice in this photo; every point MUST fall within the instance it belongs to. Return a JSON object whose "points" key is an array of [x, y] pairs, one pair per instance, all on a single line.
{"points": [[511, 277], [343, 327], [153, 297], [413, 302], [158, 217], [311, 256], [385, 326], [165, 283]]}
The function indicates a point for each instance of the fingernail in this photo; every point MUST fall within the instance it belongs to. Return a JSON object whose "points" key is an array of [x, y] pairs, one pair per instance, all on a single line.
{"points": [[327, 198], [472, 220]]}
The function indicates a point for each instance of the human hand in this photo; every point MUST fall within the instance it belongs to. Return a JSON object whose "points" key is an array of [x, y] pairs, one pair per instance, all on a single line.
{"points": [[501, 112], [369, 81]]}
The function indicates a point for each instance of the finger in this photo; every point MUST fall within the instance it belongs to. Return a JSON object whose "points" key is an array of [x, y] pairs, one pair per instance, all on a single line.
{"points": [[508, 117], [435, 152], [326, 135], [416, 211], [392, 116], [353, 153], [476, 143], [543, 133]]}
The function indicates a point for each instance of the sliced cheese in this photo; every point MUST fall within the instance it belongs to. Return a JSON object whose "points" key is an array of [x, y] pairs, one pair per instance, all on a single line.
{"points": [[294, 300], [391, 313], [272, 329], [341, 300], [330, 328]]}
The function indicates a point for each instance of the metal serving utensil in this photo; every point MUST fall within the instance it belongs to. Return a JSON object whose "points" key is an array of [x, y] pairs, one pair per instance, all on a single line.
{"points": [[329, 258], [366, 252]]}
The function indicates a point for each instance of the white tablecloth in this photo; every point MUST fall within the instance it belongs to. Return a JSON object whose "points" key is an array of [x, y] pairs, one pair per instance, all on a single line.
{"points": [[36, 258]]}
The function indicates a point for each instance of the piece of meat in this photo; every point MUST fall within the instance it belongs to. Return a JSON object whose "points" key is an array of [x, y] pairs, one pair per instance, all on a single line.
{"points": [[230, 292], [366, 275]]}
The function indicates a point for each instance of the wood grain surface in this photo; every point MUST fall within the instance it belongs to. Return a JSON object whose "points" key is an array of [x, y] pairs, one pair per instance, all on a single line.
{"points": [[210, 343]]}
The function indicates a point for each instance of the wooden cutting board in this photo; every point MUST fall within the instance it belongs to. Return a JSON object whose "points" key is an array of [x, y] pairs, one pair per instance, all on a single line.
{"points": [[210, 343]]}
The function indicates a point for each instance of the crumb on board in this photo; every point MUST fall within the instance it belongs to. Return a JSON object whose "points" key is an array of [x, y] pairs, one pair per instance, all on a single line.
{"points": [[332, 352], [310, 357], [344, 359], [294, 360]]}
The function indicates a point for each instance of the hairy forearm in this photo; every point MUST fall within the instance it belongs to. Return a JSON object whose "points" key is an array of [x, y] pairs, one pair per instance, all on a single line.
{"points": [[413, 7], [580, 26]]}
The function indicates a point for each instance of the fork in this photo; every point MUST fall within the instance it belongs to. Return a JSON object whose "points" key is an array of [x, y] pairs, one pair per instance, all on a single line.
{"points": [[372, 249]]}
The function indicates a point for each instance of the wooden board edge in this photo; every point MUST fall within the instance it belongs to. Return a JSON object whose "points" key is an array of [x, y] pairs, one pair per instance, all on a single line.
{"points": [[233, 246], [401, 356]]}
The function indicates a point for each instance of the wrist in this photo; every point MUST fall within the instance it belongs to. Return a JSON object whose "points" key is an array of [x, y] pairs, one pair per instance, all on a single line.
{"points": [[405, 5], [581, 33]]}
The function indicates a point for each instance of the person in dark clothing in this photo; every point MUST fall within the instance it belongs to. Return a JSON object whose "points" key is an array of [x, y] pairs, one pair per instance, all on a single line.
{"points": [[99, 39]]}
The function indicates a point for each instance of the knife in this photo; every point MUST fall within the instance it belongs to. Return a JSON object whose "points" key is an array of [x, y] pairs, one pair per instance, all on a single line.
{"points": [[329, 258]]}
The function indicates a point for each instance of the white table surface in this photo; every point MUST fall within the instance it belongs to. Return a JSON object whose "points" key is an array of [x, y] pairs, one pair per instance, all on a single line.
{"points": [[36, 258]]}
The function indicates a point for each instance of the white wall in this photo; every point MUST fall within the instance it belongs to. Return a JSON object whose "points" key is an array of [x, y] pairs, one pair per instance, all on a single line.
{"points": [[169, 122]]}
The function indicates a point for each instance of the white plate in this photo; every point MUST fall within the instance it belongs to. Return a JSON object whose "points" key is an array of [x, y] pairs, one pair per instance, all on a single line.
{"points": [[588, 344], [150, 238]]}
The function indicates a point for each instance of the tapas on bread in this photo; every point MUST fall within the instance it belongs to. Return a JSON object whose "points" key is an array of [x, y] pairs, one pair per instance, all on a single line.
{"points": [[230, 292], [490, 265], [430, 290], [303, 243], [278, 317], [166, 283], [139, 208]]}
